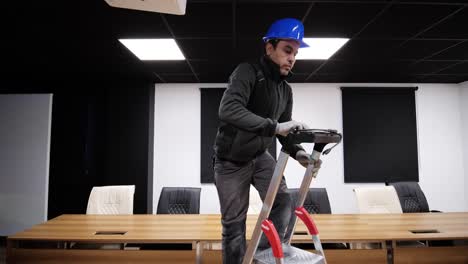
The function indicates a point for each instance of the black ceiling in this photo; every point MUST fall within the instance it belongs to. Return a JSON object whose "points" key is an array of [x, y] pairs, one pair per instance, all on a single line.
{"points": [[390, 41]]}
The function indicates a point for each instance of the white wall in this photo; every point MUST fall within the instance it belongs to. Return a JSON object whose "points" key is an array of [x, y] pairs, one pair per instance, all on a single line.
{"points": [[24, 160], [440, 146], [177, 141], [464, 113]]}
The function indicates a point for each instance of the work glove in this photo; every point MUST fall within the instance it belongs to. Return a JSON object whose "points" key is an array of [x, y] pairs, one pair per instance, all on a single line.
{"points": [[284, 128], [304, 159]]}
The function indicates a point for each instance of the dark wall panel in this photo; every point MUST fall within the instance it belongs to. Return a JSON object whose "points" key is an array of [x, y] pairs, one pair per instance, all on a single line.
{"points": [[210, 99], [126, 136], [101, 135], [73, 170]]}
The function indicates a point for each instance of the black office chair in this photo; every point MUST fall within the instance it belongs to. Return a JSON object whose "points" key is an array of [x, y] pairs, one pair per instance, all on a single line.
{"points": [[413, 200], [316, 202], [179, 200], [176, 200]]}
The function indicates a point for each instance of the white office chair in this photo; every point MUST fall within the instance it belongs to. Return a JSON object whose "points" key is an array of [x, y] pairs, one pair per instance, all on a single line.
{"points": [[117, 199], [378, 200], [109, 200]]}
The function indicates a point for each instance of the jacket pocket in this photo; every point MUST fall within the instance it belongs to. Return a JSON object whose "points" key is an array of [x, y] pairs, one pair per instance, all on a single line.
{"points": [[225, 139], [245, 145]]}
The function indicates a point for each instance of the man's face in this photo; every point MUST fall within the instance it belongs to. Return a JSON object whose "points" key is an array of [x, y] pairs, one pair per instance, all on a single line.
{"points": [[284, 55]]}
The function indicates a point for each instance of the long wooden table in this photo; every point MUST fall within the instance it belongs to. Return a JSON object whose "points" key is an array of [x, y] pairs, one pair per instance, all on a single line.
{"points": [[51, 242]]}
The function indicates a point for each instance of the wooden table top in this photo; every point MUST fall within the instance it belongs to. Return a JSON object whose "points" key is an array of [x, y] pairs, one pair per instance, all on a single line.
{"points": [[206, 227]]}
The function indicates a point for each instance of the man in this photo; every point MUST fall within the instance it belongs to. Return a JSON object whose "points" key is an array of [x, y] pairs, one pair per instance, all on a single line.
{"points": [[254, 109]]}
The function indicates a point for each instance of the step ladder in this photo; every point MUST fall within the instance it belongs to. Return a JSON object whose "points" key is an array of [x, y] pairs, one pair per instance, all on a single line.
{"points": [[285, 253]]}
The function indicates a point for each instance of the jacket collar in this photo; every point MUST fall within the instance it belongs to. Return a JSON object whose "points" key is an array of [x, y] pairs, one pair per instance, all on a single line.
{"points": [[272, 69]]}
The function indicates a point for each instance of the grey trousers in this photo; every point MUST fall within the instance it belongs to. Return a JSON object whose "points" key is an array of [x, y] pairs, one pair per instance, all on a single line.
{"points": [[233, 182]]}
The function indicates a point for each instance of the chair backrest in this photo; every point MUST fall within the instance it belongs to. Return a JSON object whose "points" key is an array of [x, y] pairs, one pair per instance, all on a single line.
{"points": [[412, 198], [377, 200], [179, 200], [316, 201], [116, 199]]}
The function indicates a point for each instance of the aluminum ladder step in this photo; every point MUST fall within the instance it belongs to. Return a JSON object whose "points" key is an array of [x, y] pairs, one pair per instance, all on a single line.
{"points": [[292, 255]]}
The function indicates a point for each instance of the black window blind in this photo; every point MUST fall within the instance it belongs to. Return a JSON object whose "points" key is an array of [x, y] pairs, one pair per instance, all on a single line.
{"points": [[379, 134]]}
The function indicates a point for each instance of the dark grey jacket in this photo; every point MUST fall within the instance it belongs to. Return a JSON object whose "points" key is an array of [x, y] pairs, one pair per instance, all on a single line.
{"points": [[249, 113]]}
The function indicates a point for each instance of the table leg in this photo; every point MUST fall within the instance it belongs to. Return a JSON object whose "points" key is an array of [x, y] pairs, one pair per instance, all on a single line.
{"points": [[389, 247], [199, 252]]}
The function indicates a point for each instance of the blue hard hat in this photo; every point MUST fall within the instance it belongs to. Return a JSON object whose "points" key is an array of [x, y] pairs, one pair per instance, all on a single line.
{"points": [[286, 28]]}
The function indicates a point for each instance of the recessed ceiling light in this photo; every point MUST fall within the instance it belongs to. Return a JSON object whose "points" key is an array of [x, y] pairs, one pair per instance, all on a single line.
{"points": [[320, 48], [154, 49]]}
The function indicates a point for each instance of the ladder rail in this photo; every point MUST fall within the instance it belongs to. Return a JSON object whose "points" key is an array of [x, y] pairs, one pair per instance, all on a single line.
{"points": [[321, 138], [267, 205], [304, 189]]}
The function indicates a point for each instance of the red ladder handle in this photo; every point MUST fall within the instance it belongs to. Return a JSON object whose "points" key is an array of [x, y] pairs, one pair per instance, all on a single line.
{"points": [[275, 243], [307, 219]]}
